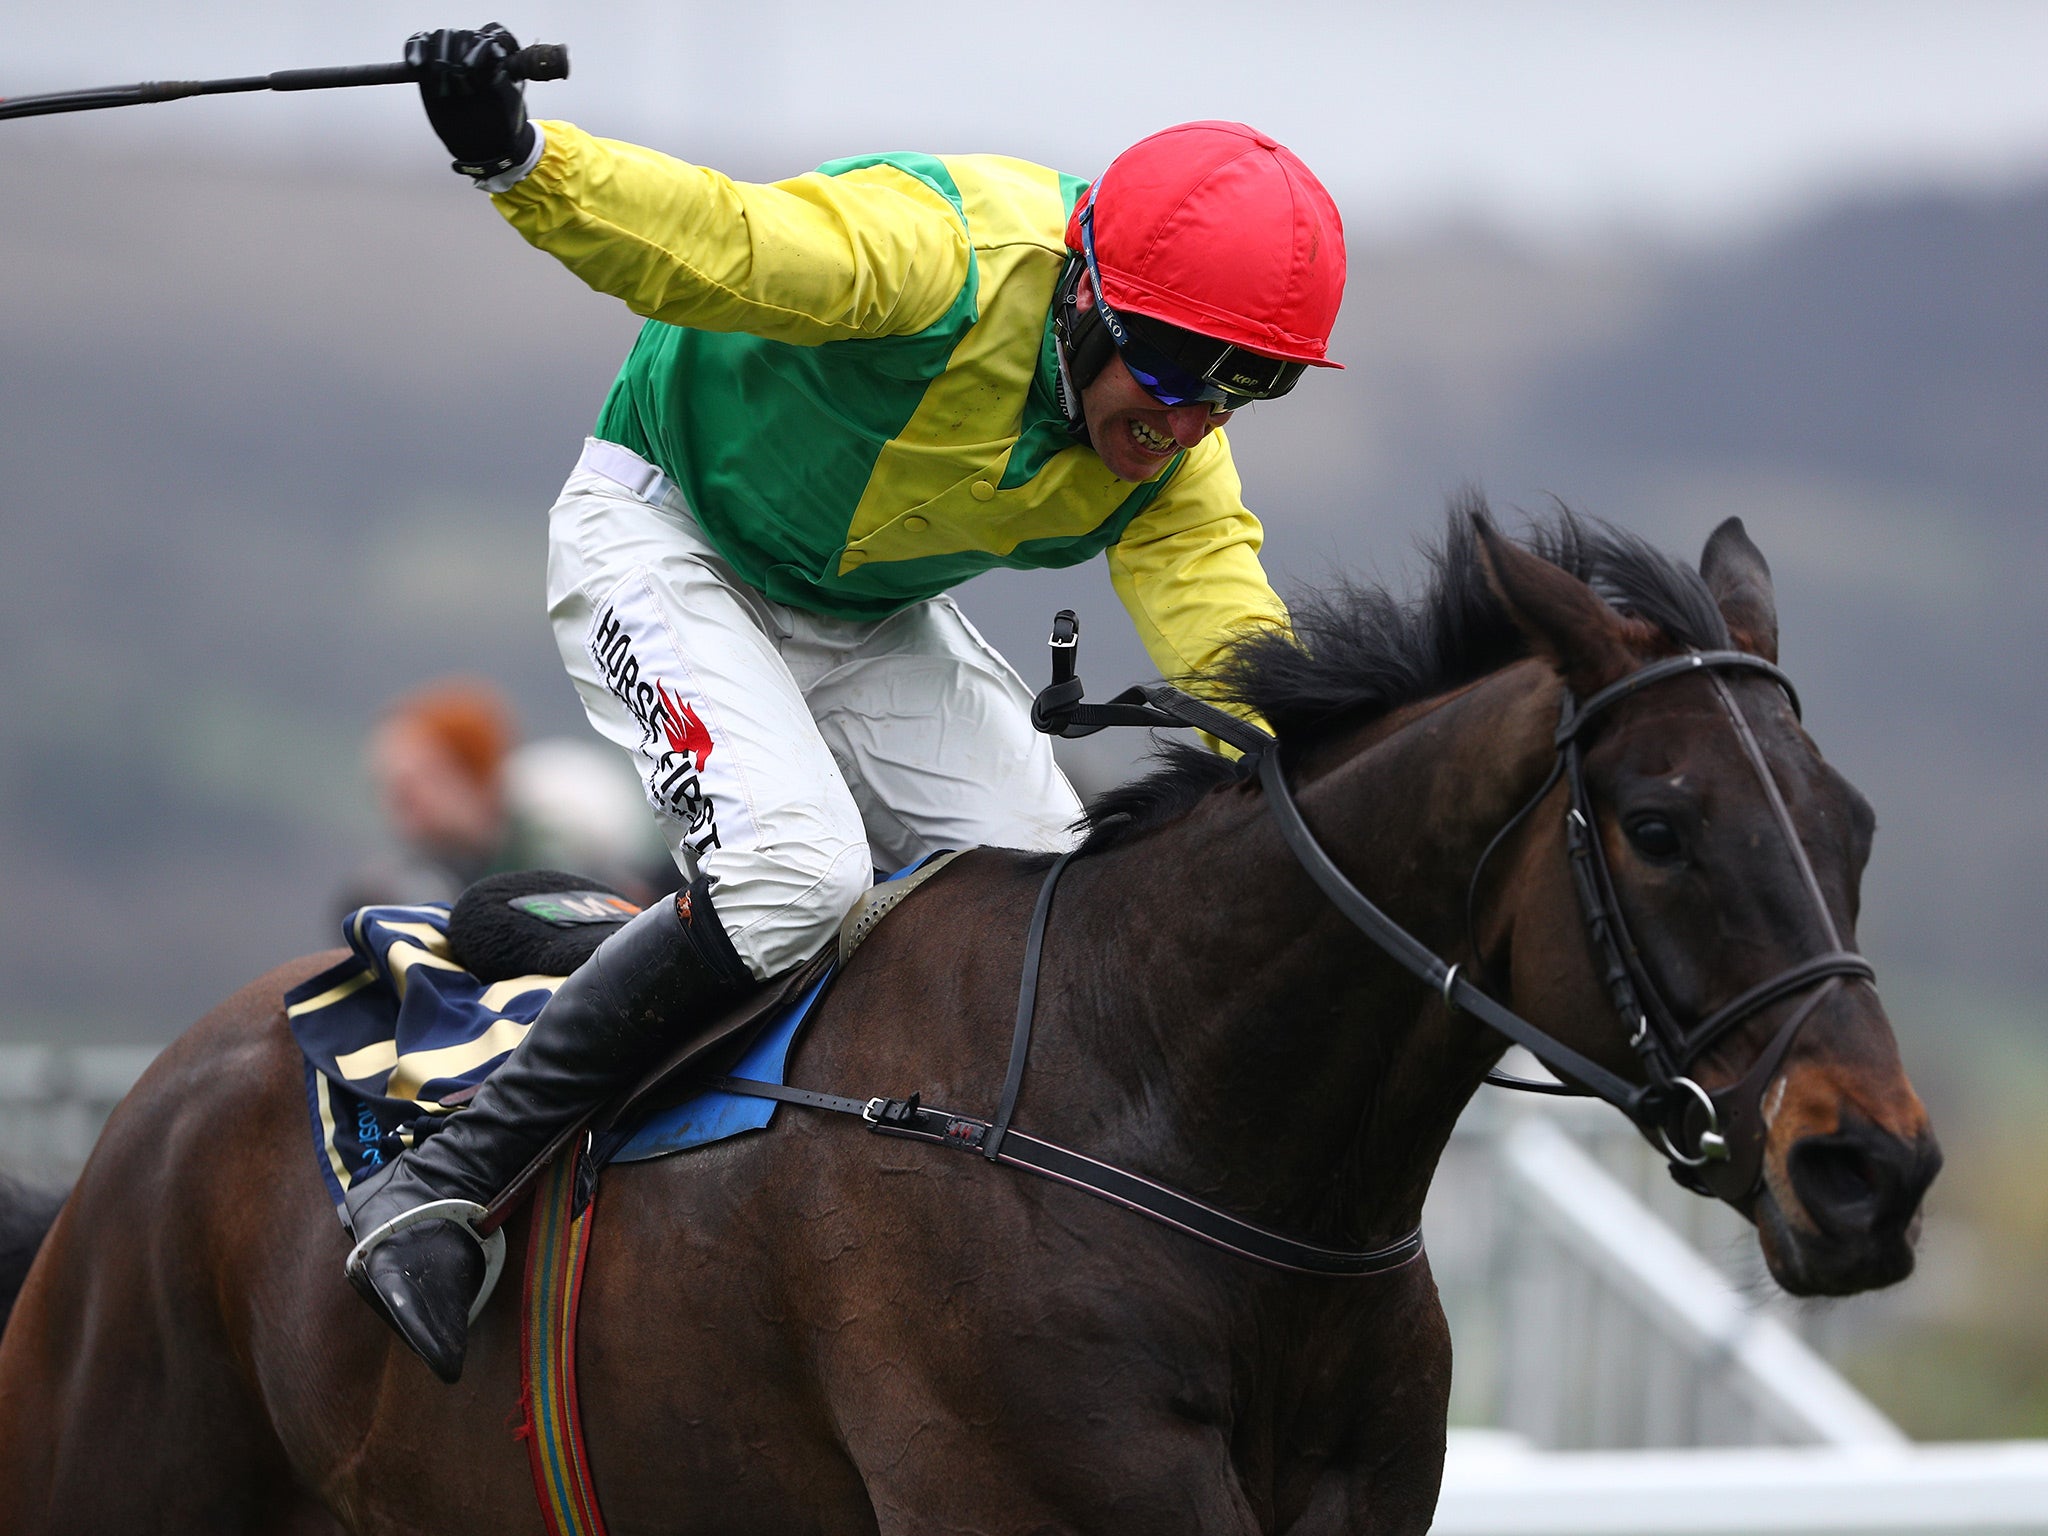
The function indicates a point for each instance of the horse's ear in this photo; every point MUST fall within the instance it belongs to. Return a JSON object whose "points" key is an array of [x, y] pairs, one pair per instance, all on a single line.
{"points": [[1736, 574], [1562, 617]]}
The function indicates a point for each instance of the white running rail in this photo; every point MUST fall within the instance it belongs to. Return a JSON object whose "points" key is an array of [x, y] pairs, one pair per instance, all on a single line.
{"points": [[1650, 1268], [53, 1101], [1992, 1489], [1597, 1324]]}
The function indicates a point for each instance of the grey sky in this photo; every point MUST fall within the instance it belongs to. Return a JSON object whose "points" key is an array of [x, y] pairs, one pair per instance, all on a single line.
{"points": [[1551, 117]]}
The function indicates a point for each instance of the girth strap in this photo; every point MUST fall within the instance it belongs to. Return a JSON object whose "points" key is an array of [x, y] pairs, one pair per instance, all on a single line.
{"points": [[996, 1141], [810, 1098]]}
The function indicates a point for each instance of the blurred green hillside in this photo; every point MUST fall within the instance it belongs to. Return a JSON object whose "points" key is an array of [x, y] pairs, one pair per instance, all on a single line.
{"points": [[272, 448]]}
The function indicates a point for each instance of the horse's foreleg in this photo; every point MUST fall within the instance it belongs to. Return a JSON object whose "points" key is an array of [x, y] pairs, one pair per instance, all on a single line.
{"points": [[1394, 1496], [1386, 1480], [1125, 1479]]}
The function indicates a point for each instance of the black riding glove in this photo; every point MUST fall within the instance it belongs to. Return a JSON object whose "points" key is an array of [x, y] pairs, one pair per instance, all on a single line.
{"points": [[475, 105]]}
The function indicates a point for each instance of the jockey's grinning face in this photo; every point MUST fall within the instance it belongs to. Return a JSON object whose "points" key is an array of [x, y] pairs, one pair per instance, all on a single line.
{"points": [[1132, 432]]}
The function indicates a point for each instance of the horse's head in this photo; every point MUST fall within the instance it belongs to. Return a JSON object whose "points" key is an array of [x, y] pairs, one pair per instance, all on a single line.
{"points": [[1732, 858]]}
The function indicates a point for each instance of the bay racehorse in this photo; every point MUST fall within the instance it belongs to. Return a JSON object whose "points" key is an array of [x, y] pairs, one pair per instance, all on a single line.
{"points": [[814, 1329]]}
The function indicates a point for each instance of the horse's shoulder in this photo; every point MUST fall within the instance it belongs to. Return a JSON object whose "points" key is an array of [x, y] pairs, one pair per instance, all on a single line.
{"points": [[935, 977]]}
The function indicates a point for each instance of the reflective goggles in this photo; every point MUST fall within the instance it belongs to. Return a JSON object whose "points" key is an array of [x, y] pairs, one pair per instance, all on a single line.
{"points": [[1179, 367]]}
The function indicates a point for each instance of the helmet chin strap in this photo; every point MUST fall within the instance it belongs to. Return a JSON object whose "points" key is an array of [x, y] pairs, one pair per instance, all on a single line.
{"points": [[1082, 344]]}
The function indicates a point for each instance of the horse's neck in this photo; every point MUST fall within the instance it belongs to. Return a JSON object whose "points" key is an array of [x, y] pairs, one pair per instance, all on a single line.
{"points": [[1250, 1043]]}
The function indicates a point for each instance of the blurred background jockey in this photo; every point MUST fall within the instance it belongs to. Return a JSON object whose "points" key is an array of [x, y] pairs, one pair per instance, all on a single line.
{"points": [[461, 801]]}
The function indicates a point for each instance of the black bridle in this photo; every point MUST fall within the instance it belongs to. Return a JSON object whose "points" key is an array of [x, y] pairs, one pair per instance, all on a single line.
{"points": [[1723, 1129]]}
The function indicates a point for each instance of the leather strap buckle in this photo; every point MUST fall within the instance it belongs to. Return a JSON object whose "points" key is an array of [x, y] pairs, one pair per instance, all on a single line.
{"points": [[889, 1112]]}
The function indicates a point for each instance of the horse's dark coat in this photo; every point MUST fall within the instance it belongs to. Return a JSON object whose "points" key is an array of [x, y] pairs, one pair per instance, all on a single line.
{"points": [[818, 1330]]}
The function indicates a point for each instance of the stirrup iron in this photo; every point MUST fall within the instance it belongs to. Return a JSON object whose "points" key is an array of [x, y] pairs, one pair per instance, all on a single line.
{"points": [[464, 1213]]}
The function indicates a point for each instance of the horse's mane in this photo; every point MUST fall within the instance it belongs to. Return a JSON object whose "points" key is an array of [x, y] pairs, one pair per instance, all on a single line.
{"points": [[1359, 651]]}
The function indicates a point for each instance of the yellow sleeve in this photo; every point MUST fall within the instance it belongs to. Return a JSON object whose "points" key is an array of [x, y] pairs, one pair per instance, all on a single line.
{"points": [[1188, 568], [871, 252]]}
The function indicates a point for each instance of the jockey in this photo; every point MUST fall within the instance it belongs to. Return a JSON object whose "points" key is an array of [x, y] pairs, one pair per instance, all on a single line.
{"points": [[855, 390]]}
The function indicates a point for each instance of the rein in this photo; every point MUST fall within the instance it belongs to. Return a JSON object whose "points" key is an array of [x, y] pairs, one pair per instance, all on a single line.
{"points": [[1725, 1129]]}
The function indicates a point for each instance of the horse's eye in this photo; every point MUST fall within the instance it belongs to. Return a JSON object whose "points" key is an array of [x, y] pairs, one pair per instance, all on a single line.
{"points": [[1654, 838]]}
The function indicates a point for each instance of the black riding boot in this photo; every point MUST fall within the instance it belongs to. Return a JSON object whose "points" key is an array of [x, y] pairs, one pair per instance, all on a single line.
{"points": [[669, 972]]}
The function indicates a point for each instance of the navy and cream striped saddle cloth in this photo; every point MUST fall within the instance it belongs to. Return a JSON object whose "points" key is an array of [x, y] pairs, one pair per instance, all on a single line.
{"points": [[399, 1036]]}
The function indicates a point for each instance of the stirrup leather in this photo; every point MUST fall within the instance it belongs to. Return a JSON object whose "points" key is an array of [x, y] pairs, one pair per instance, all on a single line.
{"points": [[464, 1213]]}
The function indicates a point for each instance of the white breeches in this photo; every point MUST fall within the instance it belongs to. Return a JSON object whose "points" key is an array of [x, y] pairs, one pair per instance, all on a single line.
{"points": [[786, 753]]}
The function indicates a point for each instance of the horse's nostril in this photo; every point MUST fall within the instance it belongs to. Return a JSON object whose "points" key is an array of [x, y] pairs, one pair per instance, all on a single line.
{"points": [[1861, 1180], [1839, 1184]]}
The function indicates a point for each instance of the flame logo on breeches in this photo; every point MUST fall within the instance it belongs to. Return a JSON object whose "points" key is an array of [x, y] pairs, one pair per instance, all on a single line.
{"points": [[686, 733]]}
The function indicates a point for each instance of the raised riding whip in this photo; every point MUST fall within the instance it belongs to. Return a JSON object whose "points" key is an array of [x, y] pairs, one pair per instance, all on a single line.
{"points": [[537, 61]]}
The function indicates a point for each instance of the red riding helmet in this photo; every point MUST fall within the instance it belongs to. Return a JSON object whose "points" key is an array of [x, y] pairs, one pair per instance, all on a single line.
{"points": [[1214, 228]]}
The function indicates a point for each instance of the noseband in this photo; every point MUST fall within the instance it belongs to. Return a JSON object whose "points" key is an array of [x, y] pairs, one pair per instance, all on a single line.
{"points": [[1724, 1129]]}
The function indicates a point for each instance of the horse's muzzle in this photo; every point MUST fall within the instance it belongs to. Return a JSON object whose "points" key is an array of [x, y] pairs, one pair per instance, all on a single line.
{"points": [[1858, 1190]]}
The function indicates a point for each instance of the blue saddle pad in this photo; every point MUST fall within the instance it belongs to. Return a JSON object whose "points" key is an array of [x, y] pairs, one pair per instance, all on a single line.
{"points": [[714, 1115]]}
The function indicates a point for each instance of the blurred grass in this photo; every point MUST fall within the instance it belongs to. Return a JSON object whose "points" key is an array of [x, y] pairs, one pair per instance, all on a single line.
{"points": [[1969, 1359], [1977, 1369]]}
